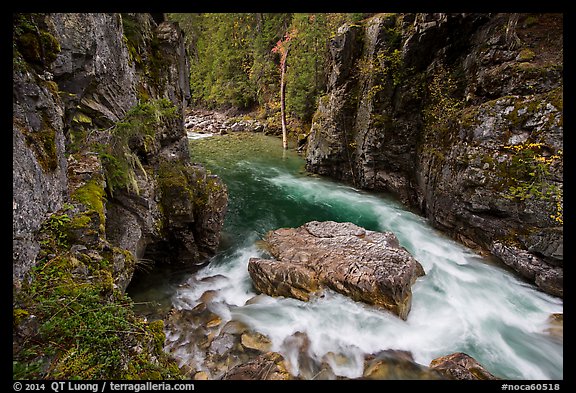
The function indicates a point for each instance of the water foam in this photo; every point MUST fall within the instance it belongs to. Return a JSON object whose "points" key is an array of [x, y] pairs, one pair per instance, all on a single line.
{"points": [[462, 304]]}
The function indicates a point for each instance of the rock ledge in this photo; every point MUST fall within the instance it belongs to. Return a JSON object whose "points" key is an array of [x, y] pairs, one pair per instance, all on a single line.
{"points": [[365, 265]]}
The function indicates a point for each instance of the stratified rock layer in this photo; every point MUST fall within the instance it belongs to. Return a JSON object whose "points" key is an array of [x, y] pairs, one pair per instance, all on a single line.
{"points": [[365, 265]]}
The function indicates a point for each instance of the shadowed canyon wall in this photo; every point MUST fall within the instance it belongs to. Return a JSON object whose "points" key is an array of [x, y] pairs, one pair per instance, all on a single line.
{"points": [[461, 117]]}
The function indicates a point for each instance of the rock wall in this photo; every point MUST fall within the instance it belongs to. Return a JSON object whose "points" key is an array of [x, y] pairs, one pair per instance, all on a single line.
{"points": [[79, 78], [102, 182], [460, 116]]}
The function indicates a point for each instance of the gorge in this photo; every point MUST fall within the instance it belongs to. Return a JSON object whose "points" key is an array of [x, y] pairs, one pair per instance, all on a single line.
{"points": [[444, 129]]}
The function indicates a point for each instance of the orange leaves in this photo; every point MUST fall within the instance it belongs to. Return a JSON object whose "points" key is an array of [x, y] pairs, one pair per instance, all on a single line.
{"points": [[282, 46]]}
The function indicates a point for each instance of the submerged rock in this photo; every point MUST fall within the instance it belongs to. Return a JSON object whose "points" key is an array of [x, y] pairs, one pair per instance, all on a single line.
{"points": [[460, 366], [556, 326], [392, 364], [365, 265]]}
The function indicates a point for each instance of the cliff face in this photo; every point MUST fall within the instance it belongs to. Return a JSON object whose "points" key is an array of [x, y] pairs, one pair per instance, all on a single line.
{"points": [[102, 177], [65, 109], [460, 116]]}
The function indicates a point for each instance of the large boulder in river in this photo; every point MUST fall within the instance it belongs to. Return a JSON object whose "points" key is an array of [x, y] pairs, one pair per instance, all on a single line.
{"points": [[365, 265]]}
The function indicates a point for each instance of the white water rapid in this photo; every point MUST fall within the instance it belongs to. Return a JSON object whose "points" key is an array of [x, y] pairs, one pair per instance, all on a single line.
{"points": [[464, 303]]}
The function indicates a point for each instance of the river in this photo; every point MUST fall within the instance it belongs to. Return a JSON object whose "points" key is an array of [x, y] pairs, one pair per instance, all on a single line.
{"points": [[465, 302]]}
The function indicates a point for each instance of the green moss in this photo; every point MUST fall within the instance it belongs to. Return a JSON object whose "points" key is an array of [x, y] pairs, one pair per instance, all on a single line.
{"points": [[29, 47], [526, 55], [157, 329], [82, 118], [42, 142], [185, 189], [54, 233], [32, 41], [131, 136], [77, 132], [86, 328], [19, 315], [51, 46], [80, 221], [91, 194], [141, 47], [157, 63], [76, 138], [180, 191], [172, 176], [132, 31], [134, 39]]}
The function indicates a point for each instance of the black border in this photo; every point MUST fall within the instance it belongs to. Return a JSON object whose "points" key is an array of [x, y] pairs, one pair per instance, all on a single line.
{"points": [[553, 6]]}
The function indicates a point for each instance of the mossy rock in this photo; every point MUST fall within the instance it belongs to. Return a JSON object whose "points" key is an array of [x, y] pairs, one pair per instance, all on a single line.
{"points": [[85, 328], [526, 55], [38, 47], [82, 118], [92, 195], [185, 189], [43, 144]]}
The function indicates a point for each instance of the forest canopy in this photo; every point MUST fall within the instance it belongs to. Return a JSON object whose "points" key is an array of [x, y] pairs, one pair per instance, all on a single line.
{"points": [[232, 62]]}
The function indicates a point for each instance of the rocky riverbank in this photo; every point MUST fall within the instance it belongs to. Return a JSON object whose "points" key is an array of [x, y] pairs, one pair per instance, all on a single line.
{"points": [[217, 347], [201, 121], [231, 351]]}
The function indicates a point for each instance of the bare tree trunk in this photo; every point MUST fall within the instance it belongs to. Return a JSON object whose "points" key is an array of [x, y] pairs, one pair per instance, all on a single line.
{"points": [[512, 38], [283, 102]]}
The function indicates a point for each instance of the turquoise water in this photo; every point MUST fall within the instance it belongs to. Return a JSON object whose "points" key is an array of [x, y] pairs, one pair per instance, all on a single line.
{"points": [[464, 303]]}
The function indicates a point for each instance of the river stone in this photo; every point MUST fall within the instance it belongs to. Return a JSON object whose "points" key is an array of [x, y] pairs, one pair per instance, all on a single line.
{"points": [[393, 364], [556, 326], [256, 341], [268, 366], [460, 366], [365, 265]]}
